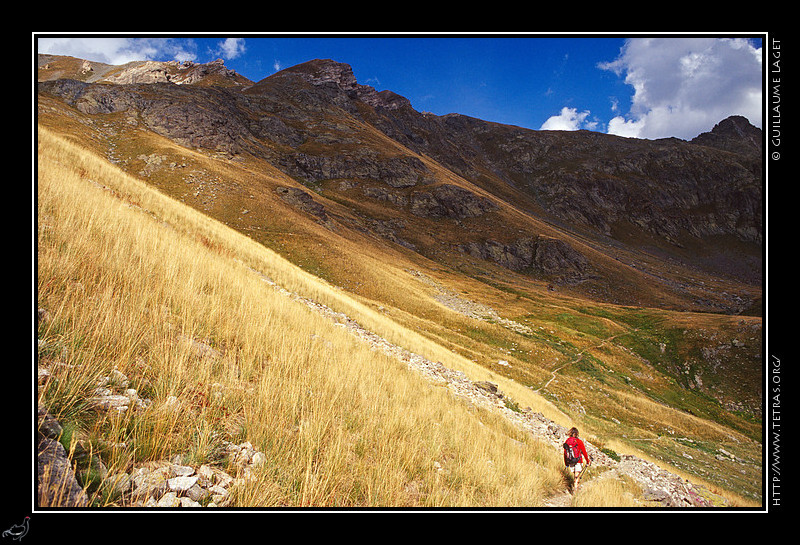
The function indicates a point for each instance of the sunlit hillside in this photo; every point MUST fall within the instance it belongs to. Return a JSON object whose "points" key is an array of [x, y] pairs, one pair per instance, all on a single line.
{"points": [[130, 279]]}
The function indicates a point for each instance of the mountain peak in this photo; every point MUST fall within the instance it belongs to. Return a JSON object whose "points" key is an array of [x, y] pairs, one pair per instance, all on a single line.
{"points": [[322, 72], [734, 133]]}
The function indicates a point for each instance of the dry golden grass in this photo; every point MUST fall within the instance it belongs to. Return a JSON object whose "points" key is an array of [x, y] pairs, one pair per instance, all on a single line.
{"points": [[130, 278], [607, 492]]}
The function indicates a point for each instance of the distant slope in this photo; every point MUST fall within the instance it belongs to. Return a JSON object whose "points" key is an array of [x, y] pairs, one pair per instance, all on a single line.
{"points": [[632, 221]]}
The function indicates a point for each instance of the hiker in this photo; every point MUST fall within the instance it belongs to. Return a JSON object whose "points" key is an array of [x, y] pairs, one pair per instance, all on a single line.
{"points": [[574, 456]]}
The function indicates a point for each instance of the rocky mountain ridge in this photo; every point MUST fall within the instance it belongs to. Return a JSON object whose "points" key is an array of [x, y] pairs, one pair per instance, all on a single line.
{"points": [[673, 194], [340, 76], [51, 67]]}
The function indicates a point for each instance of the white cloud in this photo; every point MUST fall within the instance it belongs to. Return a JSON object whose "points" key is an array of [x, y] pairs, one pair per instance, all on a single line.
{"points": [[621, 127], [231, 48], [684, 86], [568, 120], [119, 50]]}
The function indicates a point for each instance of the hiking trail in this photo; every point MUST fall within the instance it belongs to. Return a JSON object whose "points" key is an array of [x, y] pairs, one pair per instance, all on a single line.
{"points": [[579, 357]]}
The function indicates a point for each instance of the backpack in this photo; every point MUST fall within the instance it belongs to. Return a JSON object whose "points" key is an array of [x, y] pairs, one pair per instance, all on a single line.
{"points": [[571, 454]]}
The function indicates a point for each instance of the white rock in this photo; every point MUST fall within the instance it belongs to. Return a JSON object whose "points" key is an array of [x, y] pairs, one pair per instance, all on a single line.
{"points": [[258, 459], [182, 471], [110, 402], [188, 502], [217, 500], [218, 491], [170, 499], [182, 484], [119, 379], [205, 476], [120, 482], [197, 493]]}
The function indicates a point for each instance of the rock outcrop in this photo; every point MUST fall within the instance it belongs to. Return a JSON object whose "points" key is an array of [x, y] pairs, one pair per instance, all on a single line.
{"points": [[302, 201], [449, 201], [396, 172], [57, 482], [543, 255], [339, 76], [734, 134], [183, 73]]}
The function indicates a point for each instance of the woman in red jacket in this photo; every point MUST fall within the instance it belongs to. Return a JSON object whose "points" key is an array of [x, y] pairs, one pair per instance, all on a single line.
{"points": [[579, 453]]}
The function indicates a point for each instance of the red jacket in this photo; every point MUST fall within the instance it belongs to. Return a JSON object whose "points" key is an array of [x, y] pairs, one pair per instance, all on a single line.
{"points": [[578, 449]]}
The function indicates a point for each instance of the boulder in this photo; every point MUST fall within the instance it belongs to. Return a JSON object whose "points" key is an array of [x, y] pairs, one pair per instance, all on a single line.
{"points": [[57, 483]]}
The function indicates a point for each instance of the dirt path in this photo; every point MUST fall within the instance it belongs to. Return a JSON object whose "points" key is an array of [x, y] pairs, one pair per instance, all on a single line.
{"points": [[559, 499], [579, 358]]}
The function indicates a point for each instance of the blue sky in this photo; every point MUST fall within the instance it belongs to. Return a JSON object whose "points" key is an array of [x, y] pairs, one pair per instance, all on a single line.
{"points": [[639, 86]]}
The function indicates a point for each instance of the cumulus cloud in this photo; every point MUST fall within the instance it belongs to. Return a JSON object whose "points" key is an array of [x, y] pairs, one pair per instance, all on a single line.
{"points": [[119, 50], [569, 119], [684, 86], [230, 48]]}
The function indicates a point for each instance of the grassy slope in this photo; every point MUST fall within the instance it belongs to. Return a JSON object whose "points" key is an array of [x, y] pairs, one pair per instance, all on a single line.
{"points": [[127, 274], [624, 398]]}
